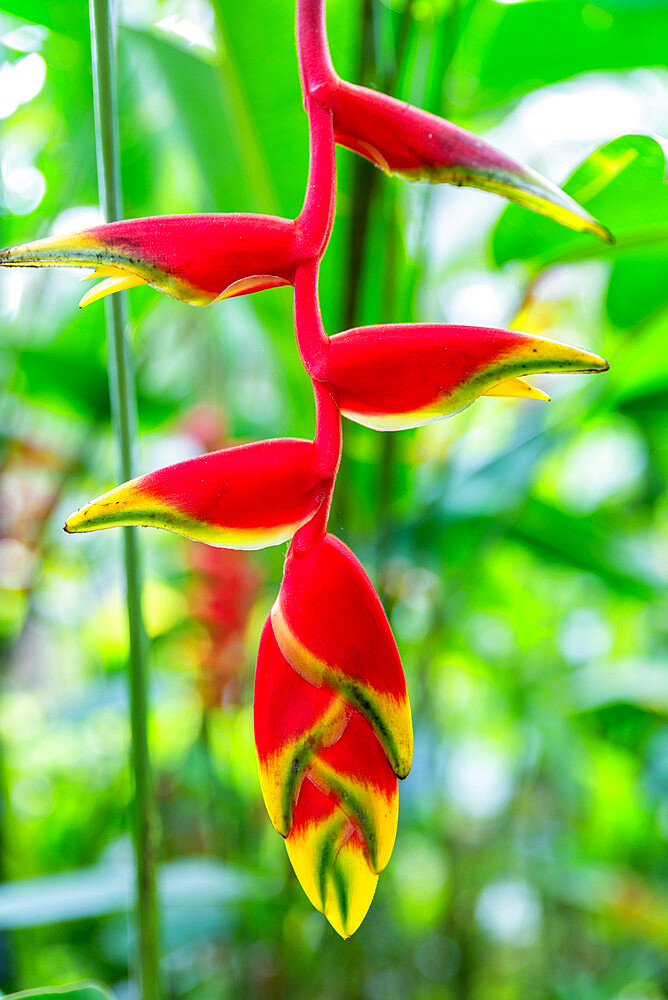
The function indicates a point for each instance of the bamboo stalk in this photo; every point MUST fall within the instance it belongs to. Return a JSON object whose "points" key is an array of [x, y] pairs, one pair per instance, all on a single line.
{"points": [[124, 421]]}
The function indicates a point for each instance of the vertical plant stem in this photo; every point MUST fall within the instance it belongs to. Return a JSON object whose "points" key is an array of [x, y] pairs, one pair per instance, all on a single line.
{"points": [[124, 418], [363, 186]]}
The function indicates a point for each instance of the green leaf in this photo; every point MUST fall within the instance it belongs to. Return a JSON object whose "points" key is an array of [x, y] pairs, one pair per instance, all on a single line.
{"points": [[54, 16], [108, 888], [595, 545], [510, 49], [87, 990], [194, 82], [622, 184], [637, 287], [644, 372]]}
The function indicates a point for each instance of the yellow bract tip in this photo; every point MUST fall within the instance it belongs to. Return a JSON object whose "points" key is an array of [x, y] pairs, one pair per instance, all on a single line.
{"points": [[344, 886], [107, 271], [108, 287], [120, 506], [80, 520], [517, 388]]}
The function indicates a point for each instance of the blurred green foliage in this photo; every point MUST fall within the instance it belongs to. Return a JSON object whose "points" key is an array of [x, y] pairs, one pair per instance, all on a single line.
{"points": [[520, 548], [76, 991]]}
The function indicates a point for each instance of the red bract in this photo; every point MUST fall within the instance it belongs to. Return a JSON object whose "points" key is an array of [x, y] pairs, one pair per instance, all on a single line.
{"points": [[404, 375], [245, 498], [330, 625], [405, 140], [224, 584], [401, 139], [195, 258], [332, 729]]}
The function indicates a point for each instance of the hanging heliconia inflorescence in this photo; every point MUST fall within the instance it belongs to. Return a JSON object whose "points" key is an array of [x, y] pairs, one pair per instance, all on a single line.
{"points": [[332, 718]]}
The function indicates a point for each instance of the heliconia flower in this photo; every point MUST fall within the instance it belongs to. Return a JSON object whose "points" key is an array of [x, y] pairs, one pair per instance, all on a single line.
{"points": [[399, 376], [331, 626], [402, 139], [327, 785], [332, 729], [195, 258], [244, 498]]}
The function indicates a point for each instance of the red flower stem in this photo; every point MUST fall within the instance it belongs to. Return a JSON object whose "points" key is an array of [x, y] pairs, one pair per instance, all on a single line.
{"points": [[327, 445], [312, 340], [313, 344], [316, 218], [328, 436], [315, 224], [315, 64]]}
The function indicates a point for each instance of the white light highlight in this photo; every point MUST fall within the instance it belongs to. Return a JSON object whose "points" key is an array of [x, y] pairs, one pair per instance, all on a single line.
{"points": [[20, 82]]}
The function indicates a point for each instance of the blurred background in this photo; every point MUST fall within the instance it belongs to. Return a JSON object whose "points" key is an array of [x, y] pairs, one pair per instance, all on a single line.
{"points": [[520, 549]]}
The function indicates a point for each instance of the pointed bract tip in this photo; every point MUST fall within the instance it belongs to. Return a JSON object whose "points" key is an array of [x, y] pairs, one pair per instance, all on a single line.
{"points": [[536, 354], [334, 874], [597, 229], [605, 234], [531, 190], [587, 362], [108, 287], [79, 521], [52, 251], [517, 388]]}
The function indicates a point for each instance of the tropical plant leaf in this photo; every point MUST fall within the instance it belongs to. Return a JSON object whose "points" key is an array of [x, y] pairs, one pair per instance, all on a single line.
{"points": [[87, 990], [194, 81], [510, 49], [108, 888], [638, 286], [623, 184]]}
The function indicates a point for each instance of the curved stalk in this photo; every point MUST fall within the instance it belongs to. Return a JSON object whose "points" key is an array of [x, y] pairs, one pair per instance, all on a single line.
{"points": [[316, 218], [313, 344], [312, 339], [315, 64], [327, 445], [124, 419]]}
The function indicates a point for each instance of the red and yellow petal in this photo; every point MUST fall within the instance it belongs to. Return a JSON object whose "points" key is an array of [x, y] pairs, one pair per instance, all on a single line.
{"points": [[331, 627], [405, 140], [394, 377], [246, 497], [293, 720], [332, 729], [328, 857], [302, 730], [195, 258], [355, 771]]}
